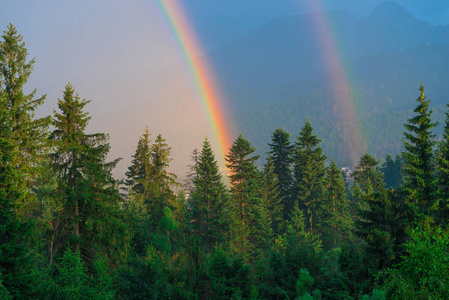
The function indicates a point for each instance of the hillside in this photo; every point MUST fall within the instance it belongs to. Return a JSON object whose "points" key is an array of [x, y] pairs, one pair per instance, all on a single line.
{"points": [[275, 76]]}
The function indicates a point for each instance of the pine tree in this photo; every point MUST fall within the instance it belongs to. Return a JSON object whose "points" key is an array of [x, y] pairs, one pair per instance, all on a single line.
{"points": [[281, 152], [309, 174], [28, 133], [338, 223], [420, 181], [91, 219], [209, 202]]}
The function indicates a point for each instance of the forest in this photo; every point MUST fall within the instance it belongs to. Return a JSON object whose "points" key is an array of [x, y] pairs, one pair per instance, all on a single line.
{"points": [[298, 228]]}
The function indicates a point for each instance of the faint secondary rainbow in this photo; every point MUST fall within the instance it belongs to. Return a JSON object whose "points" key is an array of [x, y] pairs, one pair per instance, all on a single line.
{"points": [[204, 80], [343, 107]]}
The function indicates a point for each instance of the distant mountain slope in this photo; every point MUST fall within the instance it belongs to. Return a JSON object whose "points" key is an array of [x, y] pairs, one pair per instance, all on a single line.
{"points": [[384, 95], [287, 50], [276, 76]]}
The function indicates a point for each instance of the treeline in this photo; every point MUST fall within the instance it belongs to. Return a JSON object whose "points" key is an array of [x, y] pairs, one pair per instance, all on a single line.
{"points": [[296, 229]]}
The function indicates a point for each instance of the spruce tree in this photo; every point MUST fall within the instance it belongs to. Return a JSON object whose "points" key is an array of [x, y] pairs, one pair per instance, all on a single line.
{"points": [[160, 182], [420, 181], [383, 225], [443, 174], [336, 211], [140, 165], [271, 196], [391, 170], [281, 153], [192, 173], [309, 174], [91, 220], [209, 202], [367, 180], [250, 217], [15, 258], [28, 133], [367, 175]]}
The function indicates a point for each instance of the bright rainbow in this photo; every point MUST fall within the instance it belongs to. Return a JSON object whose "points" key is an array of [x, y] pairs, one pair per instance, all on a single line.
{"points": [[204, 80], [343, 106]]}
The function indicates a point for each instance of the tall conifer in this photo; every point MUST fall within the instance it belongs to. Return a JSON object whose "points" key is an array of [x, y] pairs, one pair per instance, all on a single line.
{"points": [[337, 217], [29, 134], [91, 220], [161, 181], [309, 174], [271, 196], [209, 202], [420, 181], [443, 172], [15, 266], [245, 194], [140, 164], [281, 153]]}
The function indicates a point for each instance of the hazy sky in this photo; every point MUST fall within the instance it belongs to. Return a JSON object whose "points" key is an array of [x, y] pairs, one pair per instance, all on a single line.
{"points": [[123, 57]]}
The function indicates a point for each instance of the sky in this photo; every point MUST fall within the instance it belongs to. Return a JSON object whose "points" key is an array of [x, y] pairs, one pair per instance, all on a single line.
{"points": [[123, 56]]}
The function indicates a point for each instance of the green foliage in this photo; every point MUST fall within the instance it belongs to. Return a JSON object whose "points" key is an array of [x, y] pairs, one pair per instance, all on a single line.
{"points": [[303, 283], [4, 294], [419, 167], [139, 170], [15, 232], [68, 279], [352, 277], [383, 226], [209, 202], [91, 219], [272, 197], [367, 176], [375, 295], [159, 183], [367, 180], [392, 171], [308, 162], [281, 152], [245, 195], [229, 277], [424, 271], [29, 134], [442, 158], [337, 222], [144, 278], [295, 251]]}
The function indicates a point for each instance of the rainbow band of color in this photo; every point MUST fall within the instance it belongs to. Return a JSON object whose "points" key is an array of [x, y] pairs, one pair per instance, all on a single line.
{"points": [[344, 107], [204, 80]]}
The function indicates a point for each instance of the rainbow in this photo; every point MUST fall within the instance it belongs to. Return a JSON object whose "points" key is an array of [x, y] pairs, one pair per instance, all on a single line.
{"points": [[211, 99], [343, 107]]}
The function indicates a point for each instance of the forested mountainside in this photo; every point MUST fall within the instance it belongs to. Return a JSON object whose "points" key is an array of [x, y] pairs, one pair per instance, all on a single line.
{"points": [[276, 76]]}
